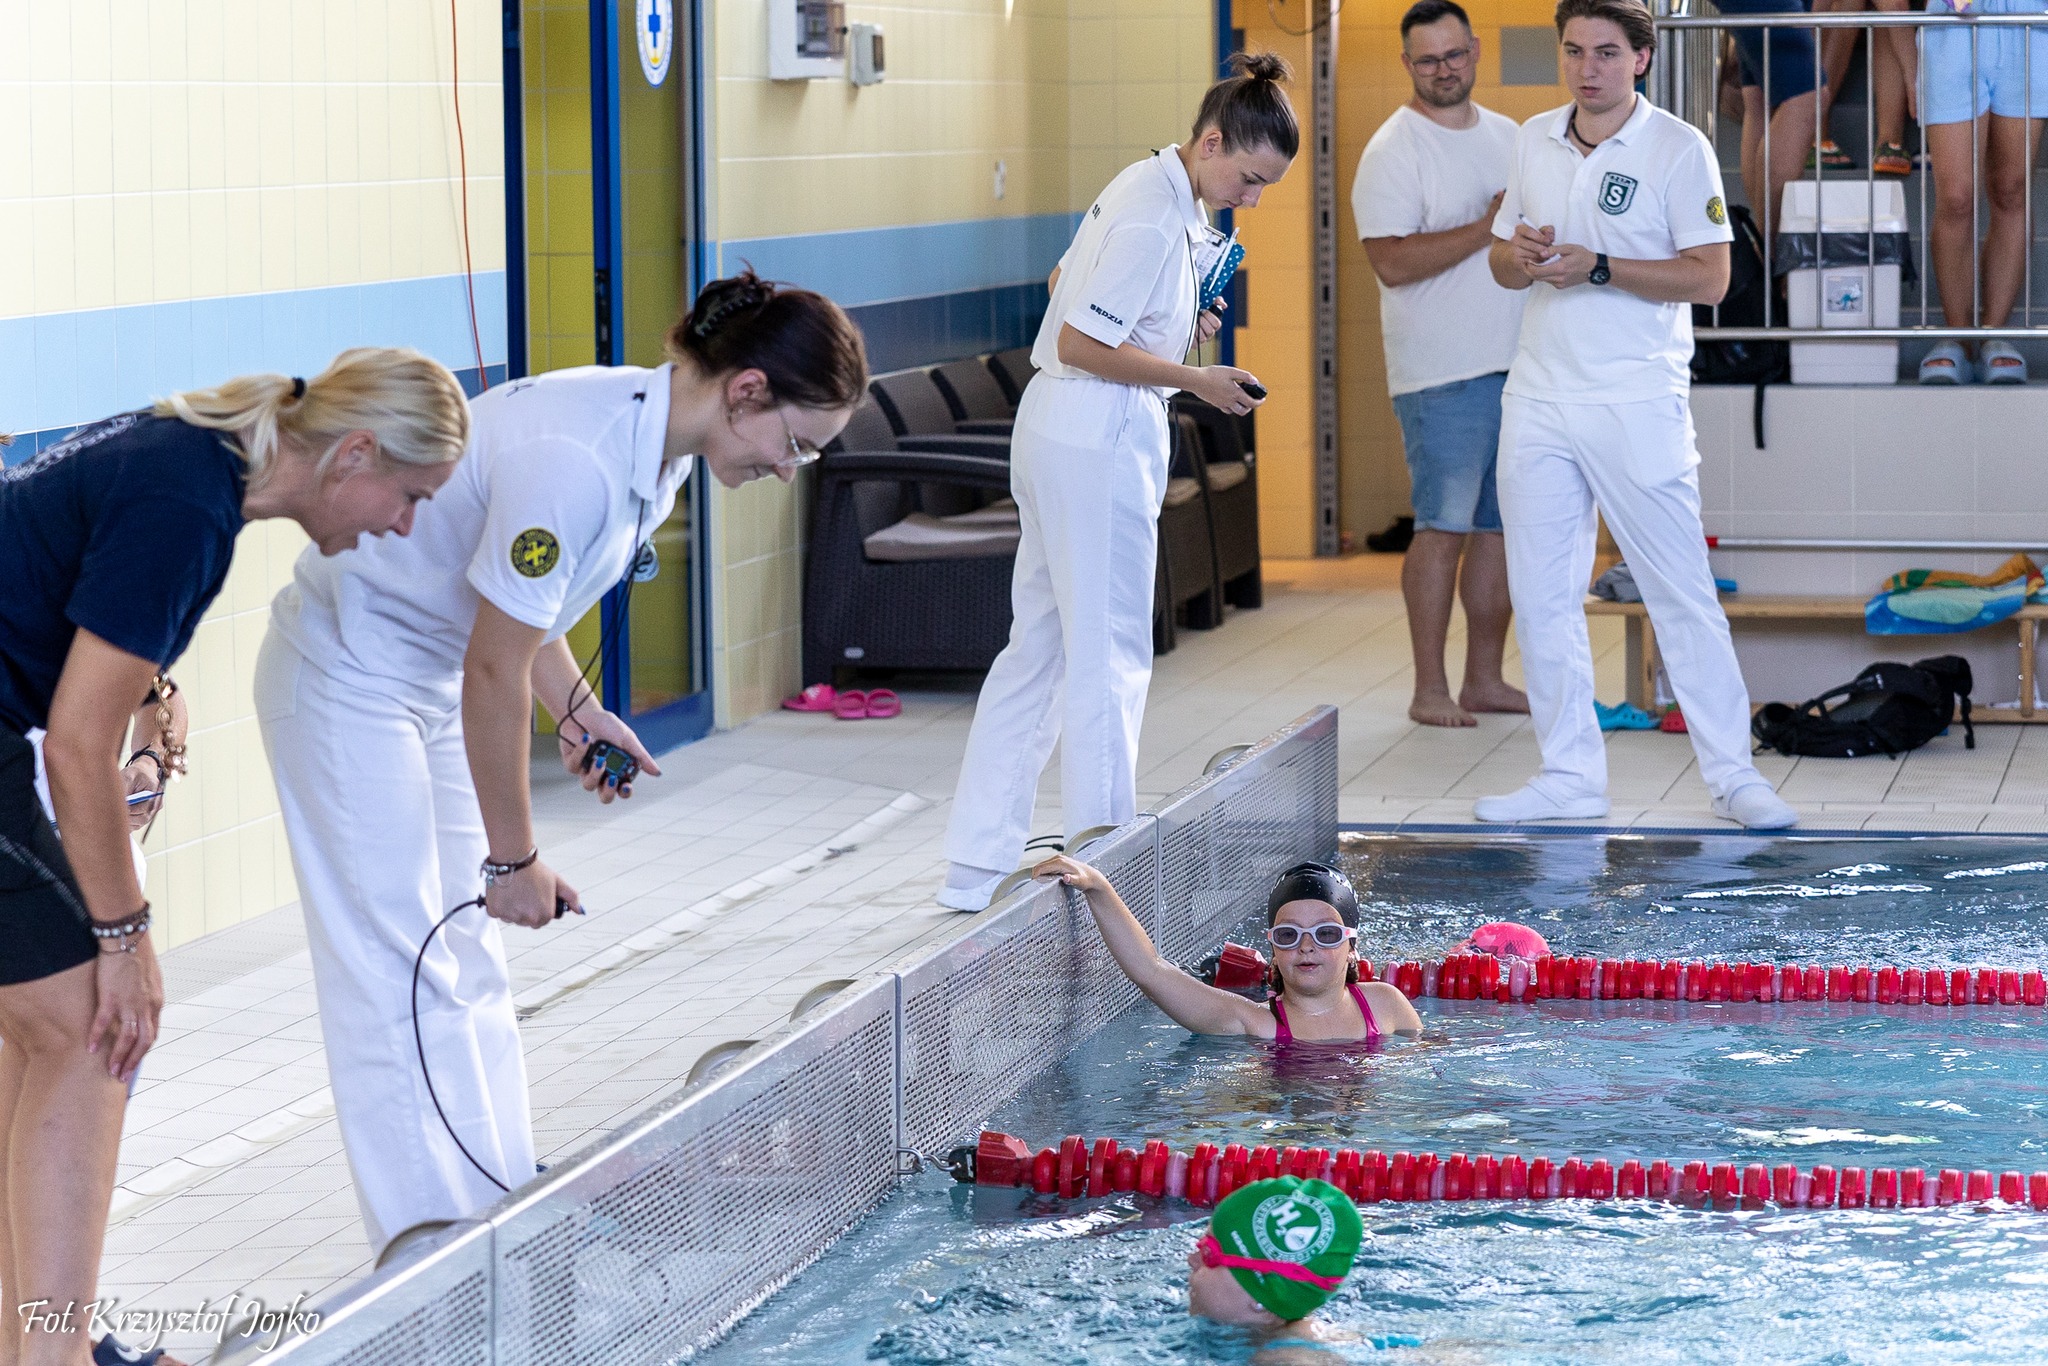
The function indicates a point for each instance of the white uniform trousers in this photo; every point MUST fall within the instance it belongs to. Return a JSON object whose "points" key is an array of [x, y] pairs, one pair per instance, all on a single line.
{"points": [[1088, 470], [1638, 462], [386, 837]]}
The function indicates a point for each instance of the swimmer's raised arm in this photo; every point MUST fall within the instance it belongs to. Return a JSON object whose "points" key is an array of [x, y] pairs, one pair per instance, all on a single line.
{"points": [[1193, 1005]]}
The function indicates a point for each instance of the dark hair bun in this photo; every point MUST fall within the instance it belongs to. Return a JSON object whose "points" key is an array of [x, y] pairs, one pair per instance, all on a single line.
{"points": [[804, 343], [1261, 66], [723, 300], [1249, 107]]}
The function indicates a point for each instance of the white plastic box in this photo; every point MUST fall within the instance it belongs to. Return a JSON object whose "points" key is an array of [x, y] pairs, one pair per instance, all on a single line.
{"points": [[1846, 296]]}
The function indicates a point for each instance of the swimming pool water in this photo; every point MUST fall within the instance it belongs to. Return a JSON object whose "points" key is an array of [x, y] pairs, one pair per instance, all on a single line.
{"points": [[944, 1273]]}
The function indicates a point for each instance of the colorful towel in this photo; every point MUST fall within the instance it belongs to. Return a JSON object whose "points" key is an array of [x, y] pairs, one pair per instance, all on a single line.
{"points": [[1919, 602]]}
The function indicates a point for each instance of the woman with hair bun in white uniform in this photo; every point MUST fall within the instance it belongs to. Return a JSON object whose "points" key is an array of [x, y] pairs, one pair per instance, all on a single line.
{"points": [[1088, 463], [395, 690]]}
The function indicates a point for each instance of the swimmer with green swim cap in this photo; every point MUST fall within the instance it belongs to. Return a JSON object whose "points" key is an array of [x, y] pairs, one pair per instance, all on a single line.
{"points": [[1274, 1252]]}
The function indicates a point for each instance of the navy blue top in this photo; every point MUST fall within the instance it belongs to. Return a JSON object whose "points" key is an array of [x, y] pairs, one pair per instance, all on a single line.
{"points": [[126, 529]]}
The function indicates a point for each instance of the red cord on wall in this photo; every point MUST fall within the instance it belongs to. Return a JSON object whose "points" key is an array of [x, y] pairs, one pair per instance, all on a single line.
{"points": [[462, 162]]}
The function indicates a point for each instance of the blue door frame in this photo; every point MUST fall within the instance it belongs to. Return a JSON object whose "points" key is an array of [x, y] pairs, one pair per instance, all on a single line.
{"points": [[1228, 40], [687, 717]]}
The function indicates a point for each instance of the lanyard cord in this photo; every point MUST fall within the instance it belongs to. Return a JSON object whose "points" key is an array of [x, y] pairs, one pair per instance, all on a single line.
{"points": [[419, 1044], [608, 631]]}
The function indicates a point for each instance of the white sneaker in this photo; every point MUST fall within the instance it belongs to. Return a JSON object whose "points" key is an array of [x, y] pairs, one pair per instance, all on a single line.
{"points": [[1754, 806], [968, 888], [1531, 803]]}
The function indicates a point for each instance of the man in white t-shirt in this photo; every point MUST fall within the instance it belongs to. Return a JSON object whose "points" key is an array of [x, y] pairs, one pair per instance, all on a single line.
{"points": [[1614, 223], [1427, 188]]}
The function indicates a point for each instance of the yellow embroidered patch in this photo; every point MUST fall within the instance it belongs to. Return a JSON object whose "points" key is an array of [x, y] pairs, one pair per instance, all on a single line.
{"points": [[535, 552], [1717, 212]]}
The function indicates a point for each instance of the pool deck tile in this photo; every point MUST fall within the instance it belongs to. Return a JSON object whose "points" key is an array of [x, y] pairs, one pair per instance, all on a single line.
{"points": [[231, 1136]]}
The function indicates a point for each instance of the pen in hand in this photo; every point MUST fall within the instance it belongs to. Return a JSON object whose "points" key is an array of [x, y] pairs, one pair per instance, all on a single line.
{"points": [[1523, 219]]}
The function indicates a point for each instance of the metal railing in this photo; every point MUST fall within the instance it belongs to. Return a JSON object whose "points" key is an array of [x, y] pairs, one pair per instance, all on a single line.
{"points": [[653, 1242], [1686, 81]]}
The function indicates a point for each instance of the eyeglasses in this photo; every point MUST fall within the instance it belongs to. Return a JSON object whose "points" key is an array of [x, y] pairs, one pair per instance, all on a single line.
{"points": [[801, 453], [1214, 1256], [1429, 66], [1328, 935]]}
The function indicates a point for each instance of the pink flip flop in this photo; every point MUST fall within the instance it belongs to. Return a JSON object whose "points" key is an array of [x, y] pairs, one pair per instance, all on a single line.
{"points": [[853, 705], [817, 697], [883, 704]]}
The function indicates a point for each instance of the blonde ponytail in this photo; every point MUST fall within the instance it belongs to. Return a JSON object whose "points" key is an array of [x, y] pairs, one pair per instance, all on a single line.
{"points": [[409, 402]]}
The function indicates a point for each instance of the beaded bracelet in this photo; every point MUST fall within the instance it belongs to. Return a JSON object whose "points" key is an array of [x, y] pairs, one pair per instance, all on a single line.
{"points": [[127, 930]]}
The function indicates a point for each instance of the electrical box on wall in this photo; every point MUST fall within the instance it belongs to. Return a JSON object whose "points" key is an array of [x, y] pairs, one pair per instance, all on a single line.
{"points": [[866, 59], [806, 39]]}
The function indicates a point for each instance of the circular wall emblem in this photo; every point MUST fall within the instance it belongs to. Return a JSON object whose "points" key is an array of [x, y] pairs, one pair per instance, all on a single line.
{"points": [[654, 35], [535, 552]]}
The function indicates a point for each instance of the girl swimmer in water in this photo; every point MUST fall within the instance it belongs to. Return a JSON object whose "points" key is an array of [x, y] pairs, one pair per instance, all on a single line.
{"points": [[1312, 924]]}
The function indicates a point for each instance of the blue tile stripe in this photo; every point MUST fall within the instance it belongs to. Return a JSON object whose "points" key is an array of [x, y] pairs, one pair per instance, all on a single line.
{"points": [[61, 369], [913, 332], [26, 444], [922, 260]]}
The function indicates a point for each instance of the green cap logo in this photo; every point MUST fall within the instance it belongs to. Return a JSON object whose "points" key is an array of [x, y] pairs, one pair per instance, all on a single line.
{"points": [[1290, 1229]]}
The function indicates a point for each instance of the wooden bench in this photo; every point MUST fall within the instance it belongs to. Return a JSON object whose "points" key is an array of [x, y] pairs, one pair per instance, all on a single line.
{"points": [[1641, 641]]}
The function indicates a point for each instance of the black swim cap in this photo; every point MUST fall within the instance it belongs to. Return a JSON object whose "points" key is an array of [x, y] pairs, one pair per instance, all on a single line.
{"points": [[1315, 882]]}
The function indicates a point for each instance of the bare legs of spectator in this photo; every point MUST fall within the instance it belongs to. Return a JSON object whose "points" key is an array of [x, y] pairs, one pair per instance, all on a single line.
{"points": [[1431, 576], [60, 1136], [1791, 139], [1890, 80], [2003, 148]]}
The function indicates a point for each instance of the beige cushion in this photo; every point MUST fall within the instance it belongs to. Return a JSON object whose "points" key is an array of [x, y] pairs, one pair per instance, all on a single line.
{"points": [[970, 536], [1002, 512], [1227, 474], [1181, 491]]}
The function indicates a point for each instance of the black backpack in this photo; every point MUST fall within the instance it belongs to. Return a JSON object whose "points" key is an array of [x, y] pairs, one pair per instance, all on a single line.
{"points": [[1888, 709], [1742, 362]]}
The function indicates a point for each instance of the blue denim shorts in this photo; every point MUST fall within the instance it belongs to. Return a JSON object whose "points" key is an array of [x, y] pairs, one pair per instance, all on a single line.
{"points": [[1791, 51], [1451, 436], [1958, 89]]}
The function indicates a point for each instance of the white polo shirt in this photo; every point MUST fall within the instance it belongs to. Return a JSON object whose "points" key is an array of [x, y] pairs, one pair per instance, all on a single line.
{"points": [[1129, 273], [1645, 194], [1418, 176], [562, 480]]}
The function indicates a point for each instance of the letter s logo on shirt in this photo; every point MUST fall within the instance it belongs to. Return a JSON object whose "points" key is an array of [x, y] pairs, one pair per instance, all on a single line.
{"points": [[1617, 192], [535, 552]]}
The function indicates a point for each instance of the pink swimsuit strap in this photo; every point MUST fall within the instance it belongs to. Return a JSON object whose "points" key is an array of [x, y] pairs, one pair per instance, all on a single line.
{"points": [[1283, 1034]]}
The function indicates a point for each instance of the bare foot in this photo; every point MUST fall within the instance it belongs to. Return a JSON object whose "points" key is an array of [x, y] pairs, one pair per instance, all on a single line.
{"points": [[1494, 697], [1439, 710]]}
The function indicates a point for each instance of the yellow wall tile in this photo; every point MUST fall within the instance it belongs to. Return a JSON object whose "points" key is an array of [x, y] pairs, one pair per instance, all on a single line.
{"points": [[133, 252], [92, 230], [244, 238], [17, 249]]}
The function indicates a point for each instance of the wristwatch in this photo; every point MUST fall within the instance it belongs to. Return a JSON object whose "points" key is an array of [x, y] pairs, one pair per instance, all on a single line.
{"points": [[1600, 274]]}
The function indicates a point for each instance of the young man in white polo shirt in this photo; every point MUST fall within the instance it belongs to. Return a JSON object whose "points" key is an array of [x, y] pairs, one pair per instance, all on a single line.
{"points": [[1428, 186], [1614, 223]]}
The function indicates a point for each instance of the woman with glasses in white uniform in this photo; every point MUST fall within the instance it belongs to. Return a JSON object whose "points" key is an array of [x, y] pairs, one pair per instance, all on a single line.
{"points": [[1088, 462], [395, 691]]}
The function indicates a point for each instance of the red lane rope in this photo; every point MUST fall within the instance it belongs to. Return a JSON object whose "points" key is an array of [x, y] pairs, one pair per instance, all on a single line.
{"points": [[1483, 977], [462, 161], [1077, 1168]]}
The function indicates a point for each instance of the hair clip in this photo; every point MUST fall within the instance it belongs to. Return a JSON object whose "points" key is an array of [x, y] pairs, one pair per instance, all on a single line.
{"points": [[743, 296]]}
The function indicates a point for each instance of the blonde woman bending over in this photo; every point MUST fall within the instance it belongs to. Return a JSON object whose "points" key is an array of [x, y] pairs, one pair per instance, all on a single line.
{"points": [[112, 544]]}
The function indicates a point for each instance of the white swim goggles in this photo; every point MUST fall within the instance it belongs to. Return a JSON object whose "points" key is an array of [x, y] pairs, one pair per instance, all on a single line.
{"points": [[1327, 935]]}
